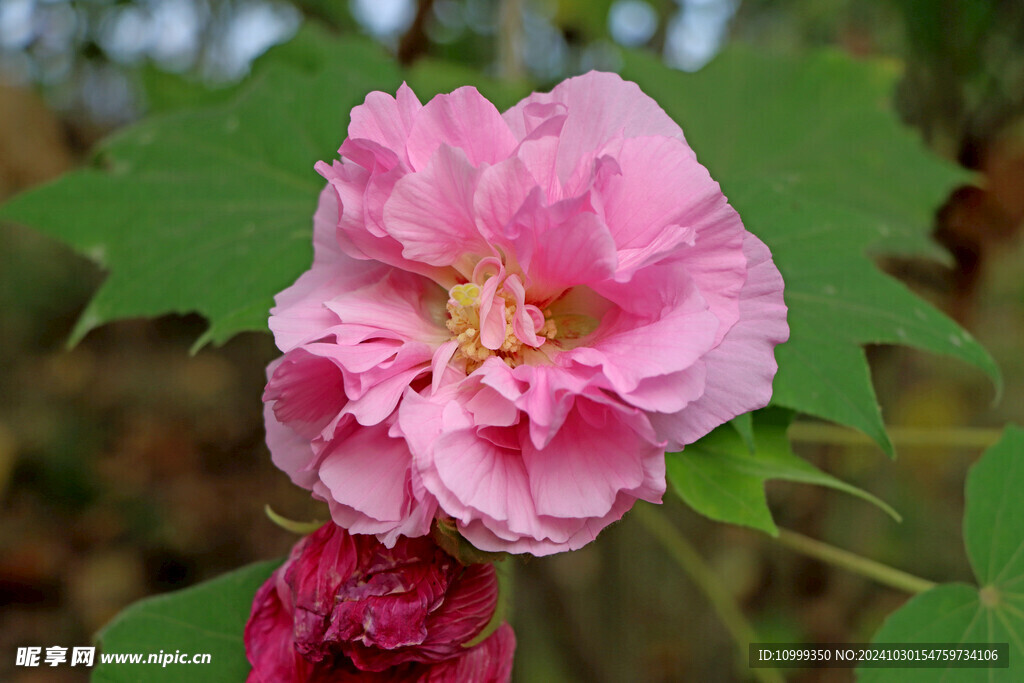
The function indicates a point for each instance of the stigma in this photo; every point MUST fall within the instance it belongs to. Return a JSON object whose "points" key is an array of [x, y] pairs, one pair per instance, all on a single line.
{"points": [[489, 316]]}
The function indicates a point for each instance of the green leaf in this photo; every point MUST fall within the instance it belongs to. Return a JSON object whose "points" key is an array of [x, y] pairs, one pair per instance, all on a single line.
{"points": [[209, 210], [992, 611], [720, 477], [205, 619], [810, 153], [744, 426]]}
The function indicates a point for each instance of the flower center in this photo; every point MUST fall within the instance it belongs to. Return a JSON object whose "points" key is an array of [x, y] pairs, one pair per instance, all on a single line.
{"points": [[489, 316]]}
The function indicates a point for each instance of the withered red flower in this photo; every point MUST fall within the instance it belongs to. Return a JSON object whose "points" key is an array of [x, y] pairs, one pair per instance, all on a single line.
{"points": [[346, 608]]}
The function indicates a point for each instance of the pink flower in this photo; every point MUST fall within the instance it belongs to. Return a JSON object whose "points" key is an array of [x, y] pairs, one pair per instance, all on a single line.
{"points": [[346, 608], [510, 317]]}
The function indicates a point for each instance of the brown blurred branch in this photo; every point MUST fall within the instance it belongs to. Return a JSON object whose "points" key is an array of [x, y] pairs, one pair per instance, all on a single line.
{"points": [[414, 43]]}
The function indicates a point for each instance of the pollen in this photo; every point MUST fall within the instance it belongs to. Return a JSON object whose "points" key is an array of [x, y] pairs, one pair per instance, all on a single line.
{"points": [[464, 324]]}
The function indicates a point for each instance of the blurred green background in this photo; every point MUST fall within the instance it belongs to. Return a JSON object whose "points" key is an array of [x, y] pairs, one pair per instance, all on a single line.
{"points": [[128, 467]]}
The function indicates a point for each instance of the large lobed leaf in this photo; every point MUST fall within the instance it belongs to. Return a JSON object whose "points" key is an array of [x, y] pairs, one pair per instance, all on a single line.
{"points": [[723, 475], [208, 209], [205, 619], [992, 611], [809, 152]]}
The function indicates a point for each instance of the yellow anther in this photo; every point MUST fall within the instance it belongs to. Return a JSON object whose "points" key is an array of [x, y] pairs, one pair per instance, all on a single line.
{"points": [[465, 295]]}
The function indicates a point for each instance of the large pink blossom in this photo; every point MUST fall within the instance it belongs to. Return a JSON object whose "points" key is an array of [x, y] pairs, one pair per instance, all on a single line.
{"points": [[347, 608], [510, 317]]}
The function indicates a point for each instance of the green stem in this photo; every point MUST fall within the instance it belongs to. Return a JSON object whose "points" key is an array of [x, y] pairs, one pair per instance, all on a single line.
{"points": [[964, 437], [704, 576], [882, 573]]}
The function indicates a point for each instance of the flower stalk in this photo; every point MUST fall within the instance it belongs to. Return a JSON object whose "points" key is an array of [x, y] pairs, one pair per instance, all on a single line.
{"points": [[876, 571], [962, 437]]}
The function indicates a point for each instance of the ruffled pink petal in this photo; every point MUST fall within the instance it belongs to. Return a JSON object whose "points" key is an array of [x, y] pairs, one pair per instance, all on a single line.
{"points": [[579, 251], [717, 264], [299, 315], [470, 476], [667, 243], [398, 302], [414, 524], [659, 184], [431, 212], [600, 107], [439, 363], [290, 452], [586, 465], [492, 313], [473, 477], [360, 196], [740, 369], [369, 472], [386, 120], [670, 330], [550, 394], [380, 400], [539, 153], [669, 393], [500, 193], [560, 535], [306, 392], [465, 120], [489, 408]]}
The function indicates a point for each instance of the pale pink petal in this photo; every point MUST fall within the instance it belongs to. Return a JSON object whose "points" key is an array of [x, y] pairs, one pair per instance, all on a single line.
{"points": [[291, 453], [361, 354], [492, 314], [463, 119], [669, 393], [550, 395], [386, 120], [501, 378], [716, 263], [399, 302], [538, 150], [299, 315], [360, 196], [369, 472], [473, 477], [660, 184], [490, 408], [740, 369], [600, 107], [528, 318], [500, 193], [439, 362], [579, 251], [431, 212], [582, 470], [668, 242], [381, 399], [631, 347]]}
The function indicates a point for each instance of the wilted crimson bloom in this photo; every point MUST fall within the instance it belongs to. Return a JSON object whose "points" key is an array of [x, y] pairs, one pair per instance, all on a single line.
{"points": [[510, 317], [347, 608]]}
